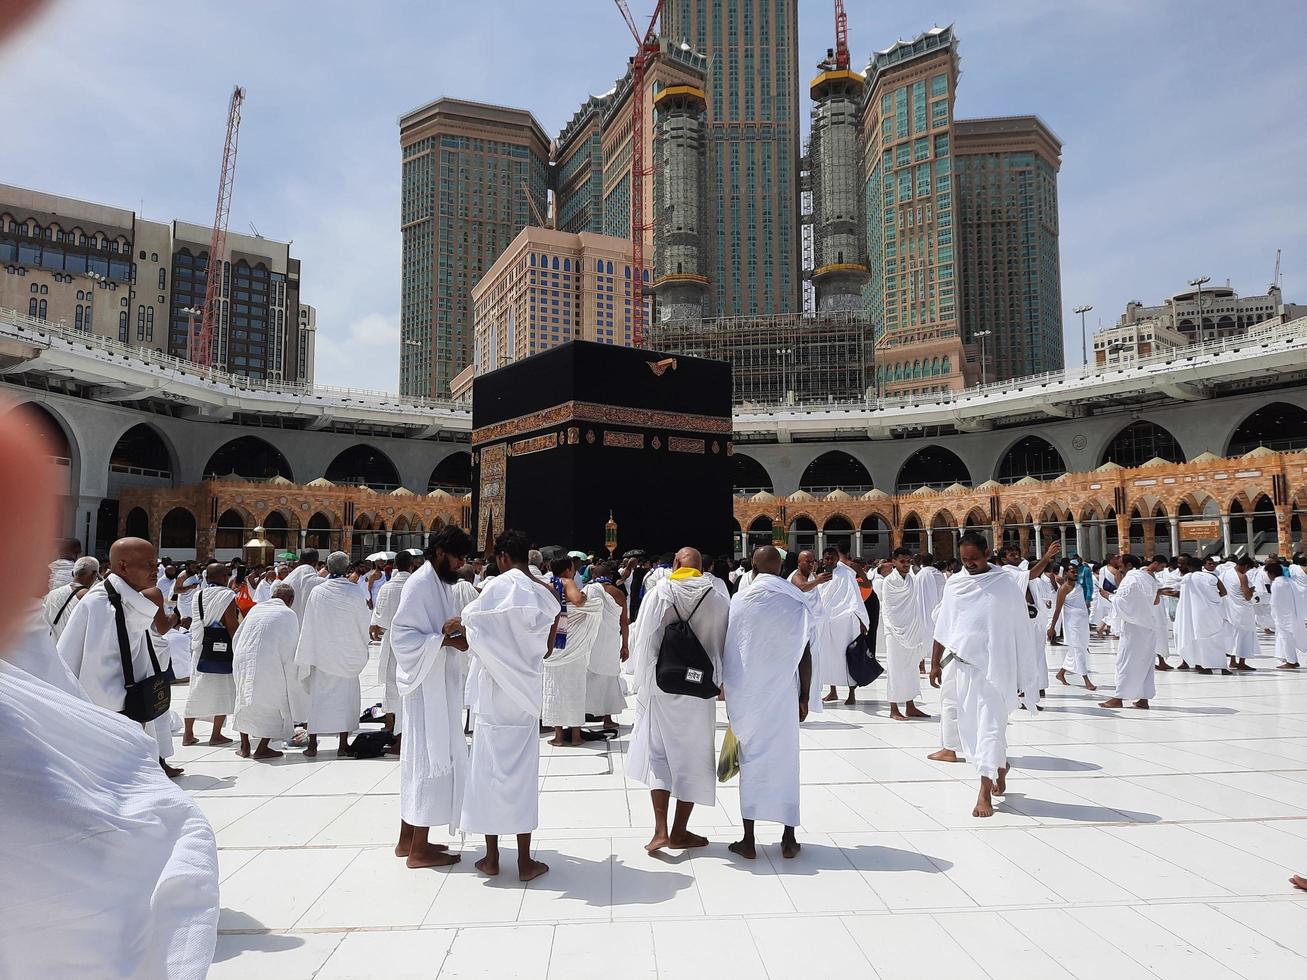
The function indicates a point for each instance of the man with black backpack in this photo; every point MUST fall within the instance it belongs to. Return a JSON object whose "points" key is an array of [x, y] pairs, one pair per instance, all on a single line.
{"points": [[212, 696], [677, 649]]}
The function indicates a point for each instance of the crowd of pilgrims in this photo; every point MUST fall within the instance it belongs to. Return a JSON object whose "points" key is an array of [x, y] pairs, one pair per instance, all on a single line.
{"points": [[482, 659]]}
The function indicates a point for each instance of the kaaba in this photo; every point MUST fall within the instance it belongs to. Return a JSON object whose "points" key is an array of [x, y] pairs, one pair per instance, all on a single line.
{"points": [[568, 438]]}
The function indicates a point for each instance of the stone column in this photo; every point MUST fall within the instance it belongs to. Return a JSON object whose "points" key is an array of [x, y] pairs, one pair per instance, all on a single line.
{"points": [[995, 535], [304, 538], [1023, 539], [1175, 535], [1039, 540], [387, 547], [857, 543], [1284, 531], [1123, 532], [1226, 545], [821, 541], [1061, 537], [1080, 540], [1248, 531], [1150, 538]]}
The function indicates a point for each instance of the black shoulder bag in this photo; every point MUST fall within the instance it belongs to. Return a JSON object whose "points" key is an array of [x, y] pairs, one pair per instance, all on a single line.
{"points": [[684, 667], [215, 648], [147, 699], [64, 608]]}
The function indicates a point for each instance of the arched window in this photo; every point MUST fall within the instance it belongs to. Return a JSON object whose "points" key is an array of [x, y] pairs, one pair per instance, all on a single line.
{"points": [[41, 314], [533, 258], [77, 318], [916, 369], [163, 278], [599, 266], [567, 265], [31, 307], [646, 275], [898, 372], [544, 261], [555, 262], [609, 269], [122, 327], [149, 323], [628, 270], [934, 367], [945, 365]]}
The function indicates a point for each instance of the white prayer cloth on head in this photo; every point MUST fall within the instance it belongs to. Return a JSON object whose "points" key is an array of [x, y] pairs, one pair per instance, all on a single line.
{"points": [[1136, 618], [765, 639], [89, 644], [1240, 613], [210, 694], [1075, 632], [58, 606], [843, 616], [431, 678], [903, 618], [34, 651], [114, 868], [565, 669], [270, 696], [1287, 611], [383, 611], [980, 622], [507, 628], [1200, 637], [303, 579], [672, 743]]}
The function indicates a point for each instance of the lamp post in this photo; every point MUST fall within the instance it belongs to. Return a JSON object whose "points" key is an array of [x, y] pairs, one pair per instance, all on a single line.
{"points": [[1084, 342], [981, 335], [784, 353], [191, 313], [1200, 282]]}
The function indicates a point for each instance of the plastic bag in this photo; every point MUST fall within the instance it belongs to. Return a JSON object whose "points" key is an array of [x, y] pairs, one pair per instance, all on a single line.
{"points": [[728, 763]]}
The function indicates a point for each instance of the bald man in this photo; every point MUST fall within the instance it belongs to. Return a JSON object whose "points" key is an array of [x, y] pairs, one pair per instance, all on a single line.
{"points": [[672, 750], [806, 577], [215, 617]]}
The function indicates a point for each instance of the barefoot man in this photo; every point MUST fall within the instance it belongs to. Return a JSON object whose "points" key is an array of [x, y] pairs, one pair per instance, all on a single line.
{"points": [[1287, 615], [843, 617], [672, 750], [383, 613], [980, 620], [903, 615], [428, 649], [213, 632], [1136, 621], [269, 694], [510, 628], [1072, 611], [767, 668], [333, 650], [1200, 627]]}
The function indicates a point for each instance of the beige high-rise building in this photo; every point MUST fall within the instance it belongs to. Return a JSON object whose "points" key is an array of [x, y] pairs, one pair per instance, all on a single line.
{"points": [[107, 271], [470, 175], [549, 287]]}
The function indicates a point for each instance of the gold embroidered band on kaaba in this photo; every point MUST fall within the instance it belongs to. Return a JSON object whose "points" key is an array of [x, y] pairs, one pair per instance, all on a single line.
{"points": [[575, 411]]}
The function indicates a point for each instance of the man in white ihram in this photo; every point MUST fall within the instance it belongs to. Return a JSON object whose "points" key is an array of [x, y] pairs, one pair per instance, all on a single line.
{"points": [[383, 612], [332, 652], [980, 620], [269, 693], [767, 669], [1136, 621], [304, 577], [1287, 615], [509, 628], [843, 617], [672, 747], [907, 631], [1201, 636], [428, 650], [58, 605], [1241, 601]]}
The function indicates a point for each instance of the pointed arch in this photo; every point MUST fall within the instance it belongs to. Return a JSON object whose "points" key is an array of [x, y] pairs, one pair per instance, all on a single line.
{"points": [[453, 474], [248, 457], [1140, 441], [1279, 425], [362, 464], [931, 466], [835, 470]]}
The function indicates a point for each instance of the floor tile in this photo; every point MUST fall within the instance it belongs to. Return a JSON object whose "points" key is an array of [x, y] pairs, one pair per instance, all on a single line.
{"points": [[1156, 949], [1084, 955], [277, 887], [911, 947], [376, 889], [517, 952], [622, 950], [790, 947], [415, 954], [694, 949], [999, 947], [1228, 941], [902, 876]]}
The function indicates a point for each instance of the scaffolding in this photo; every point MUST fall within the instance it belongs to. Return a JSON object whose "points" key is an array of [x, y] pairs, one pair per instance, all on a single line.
{"points": [[782, 359]]}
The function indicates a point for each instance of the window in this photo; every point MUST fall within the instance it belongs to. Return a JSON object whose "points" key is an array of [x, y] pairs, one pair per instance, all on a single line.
{"points": [[122, 327], [31, 308], [34, 288], [149, 323], [154, 256], [41, 313], [163, 278]]}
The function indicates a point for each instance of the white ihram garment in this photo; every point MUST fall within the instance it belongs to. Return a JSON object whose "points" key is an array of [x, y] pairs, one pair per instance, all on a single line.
{"points": [[270, 697], [765, 640], [1032, 662], [565, 670], [1261, 583], [58, 606], [210, 695], [1286, 607], [263, 591], [1136, 620], [672, 745], [906, 635], [383, 611], [431, 677], [603, 687], [332, 652], [110, 869], [1101, 611], [843, 616], [508, 635], [34, 651], [1075, 632], [980, 622], [1240, 613], [930, 583], [303, 579], [1200, 627], [179, 652]]}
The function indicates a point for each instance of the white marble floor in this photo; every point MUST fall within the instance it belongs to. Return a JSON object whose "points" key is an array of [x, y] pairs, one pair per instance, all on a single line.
{"points": [[1131, 844]]}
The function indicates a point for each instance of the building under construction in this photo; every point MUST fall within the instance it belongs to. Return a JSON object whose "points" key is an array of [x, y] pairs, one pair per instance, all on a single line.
{"points": [[786, 358]]}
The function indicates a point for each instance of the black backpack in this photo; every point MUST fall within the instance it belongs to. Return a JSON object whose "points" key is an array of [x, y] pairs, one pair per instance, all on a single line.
{"points": [[371, 745], [683, 665], [215, 648]]}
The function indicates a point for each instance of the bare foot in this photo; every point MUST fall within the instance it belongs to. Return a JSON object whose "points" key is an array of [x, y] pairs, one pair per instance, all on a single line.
{"points": [[190, 741], [1225, 673], [743, 848], [1163, 665], [403, 847], [488, 866], [1112, 703], [1091, 686], [687, 839], [268, 753], [556, 742], [1183, 666], [1243, 666], [432, 857], [944, 755], [244, 753], [790, 848], [1141, 703], [1061, 678], [1298, 881], [984, 807], [830, 698], [912, 711], [657, 843], [311, 751], [529, 870], [172, 772], [1207, 670], [1000, 784], [220, 740], [896, 714], [342, 753], [1286, 666], [850, 700]]}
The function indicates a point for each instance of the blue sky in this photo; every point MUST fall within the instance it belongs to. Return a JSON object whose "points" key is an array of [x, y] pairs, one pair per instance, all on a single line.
{"points": [[1182, 120]]}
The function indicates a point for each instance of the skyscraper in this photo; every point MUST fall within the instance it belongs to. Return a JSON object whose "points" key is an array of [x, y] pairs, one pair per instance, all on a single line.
{"points": [[1010, 279], [752, 48], [470, 173]]}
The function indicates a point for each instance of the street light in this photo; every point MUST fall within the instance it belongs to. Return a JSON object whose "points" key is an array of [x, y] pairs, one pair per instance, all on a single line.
{"points": [[784, 352], [1200, 282], [191, 313], [1084, 345], [981, 335]]}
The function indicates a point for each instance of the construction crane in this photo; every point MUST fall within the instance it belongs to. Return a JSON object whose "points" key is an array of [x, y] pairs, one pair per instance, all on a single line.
{"points": [[646, 46], [202, 346], [540, 221], [841, 37], [1275, 280]]}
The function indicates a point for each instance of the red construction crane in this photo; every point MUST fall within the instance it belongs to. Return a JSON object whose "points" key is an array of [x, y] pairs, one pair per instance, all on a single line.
{"points": [[202, 346], [841, 37], [646, 46]]}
